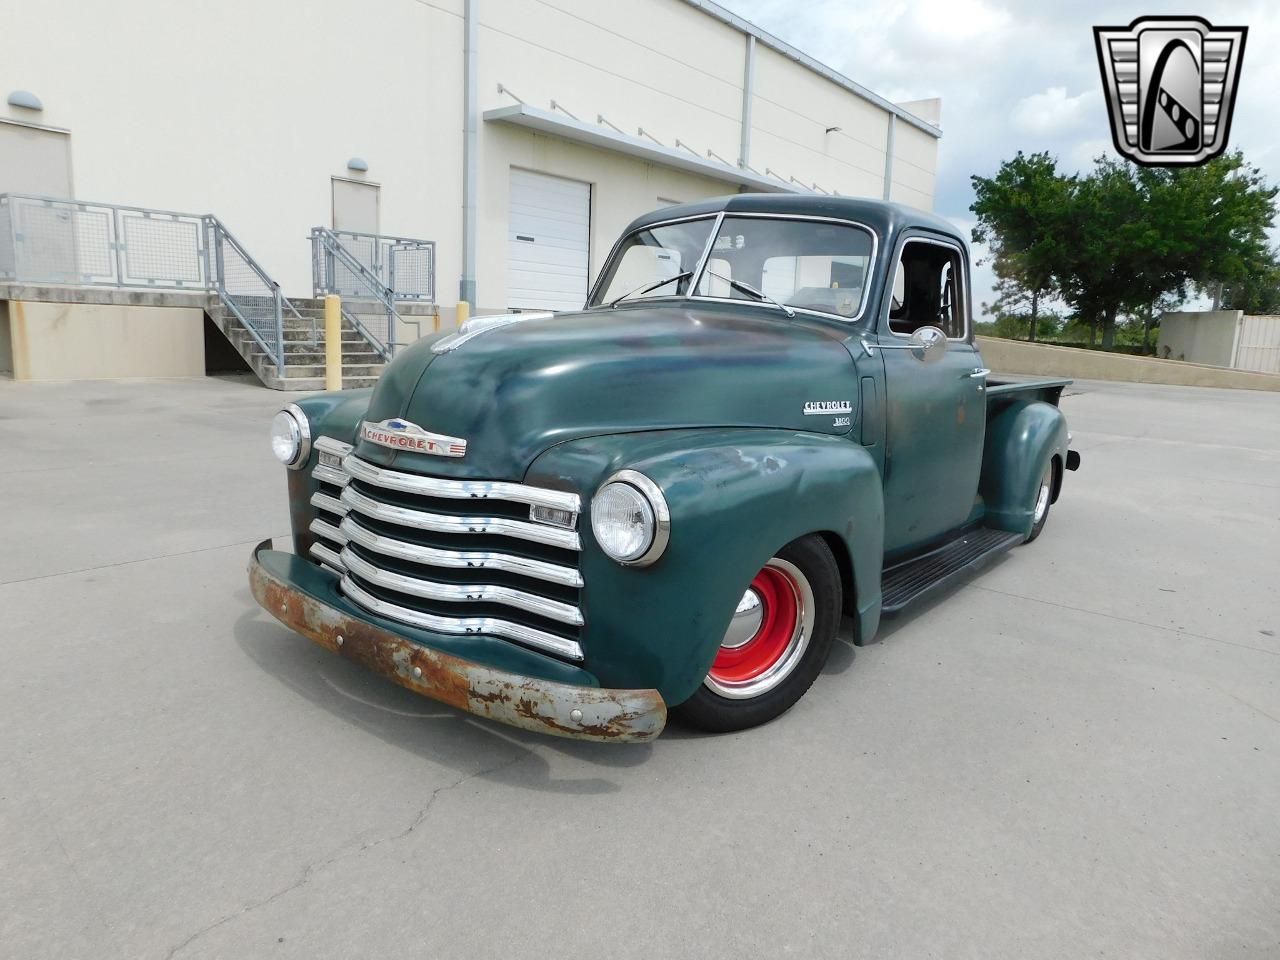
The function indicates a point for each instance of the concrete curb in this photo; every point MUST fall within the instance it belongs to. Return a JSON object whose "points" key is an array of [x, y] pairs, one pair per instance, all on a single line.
{"points": [[1048, 360]]}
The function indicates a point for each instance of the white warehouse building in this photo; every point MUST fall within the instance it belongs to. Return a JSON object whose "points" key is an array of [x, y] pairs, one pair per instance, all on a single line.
{"points": [[518, 137]]}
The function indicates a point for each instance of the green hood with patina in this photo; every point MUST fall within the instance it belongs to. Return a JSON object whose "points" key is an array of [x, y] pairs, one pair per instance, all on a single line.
{"points": [[516, 390]]}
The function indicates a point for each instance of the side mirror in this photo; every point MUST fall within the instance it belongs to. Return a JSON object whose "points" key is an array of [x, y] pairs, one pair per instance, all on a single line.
{"points": [[928, 344]]}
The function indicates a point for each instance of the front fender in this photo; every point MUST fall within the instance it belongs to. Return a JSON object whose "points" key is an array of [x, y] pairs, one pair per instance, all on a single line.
{"points": [[1022, 438], [736, 496]]}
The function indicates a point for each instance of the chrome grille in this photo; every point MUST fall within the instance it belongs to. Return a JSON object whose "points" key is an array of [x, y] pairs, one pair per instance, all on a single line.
{"points": [[452, 556]]}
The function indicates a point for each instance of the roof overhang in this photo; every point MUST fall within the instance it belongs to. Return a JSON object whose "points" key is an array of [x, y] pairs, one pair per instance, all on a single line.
{"points": [[605, 138]]}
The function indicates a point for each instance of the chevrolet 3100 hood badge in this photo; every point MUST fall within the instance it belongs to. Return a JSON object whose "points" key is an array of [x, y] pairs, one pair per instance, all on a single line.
{"points": [[403, 435], [1171, 86]]}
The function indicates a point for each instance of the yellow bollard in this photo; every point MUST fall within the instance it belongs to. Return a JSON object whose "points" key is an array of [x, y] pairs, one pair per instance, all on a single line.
{"points": [[333, 342], [462, 313]]}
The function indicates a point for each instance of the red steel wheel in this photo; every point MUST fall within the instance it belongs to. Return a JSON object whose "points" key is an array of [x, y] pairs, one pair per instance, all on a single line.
{"points": [[777, 641], [769, 633]]}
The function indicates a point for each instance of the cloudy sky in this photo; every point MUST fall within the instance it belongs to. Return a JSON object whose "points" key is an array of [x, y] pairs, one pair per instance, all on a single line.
{"points": [[1013, 76]]}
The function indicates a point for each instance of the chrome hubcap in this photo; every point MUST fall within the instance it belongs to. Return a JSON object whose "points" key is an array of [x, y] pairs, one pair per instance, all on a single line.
{"points": [[768, 635], [746, 621], [1042, 498]]}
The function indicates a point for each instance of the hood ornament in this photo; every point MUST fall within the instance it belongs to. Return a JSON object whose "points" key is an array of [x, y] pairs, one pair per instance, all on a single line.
{"points": [[402, 435], [478, 325]]}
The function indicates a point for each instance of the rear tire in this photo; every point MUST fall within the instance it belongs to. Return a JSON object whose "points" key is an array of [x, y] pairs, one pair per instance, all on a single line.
{"points": [[1044, 494], [777, 644]]}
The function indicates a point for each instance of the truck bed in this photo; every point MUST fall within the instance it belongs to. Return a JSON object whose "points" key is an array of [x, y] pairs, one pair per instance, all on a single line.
{"points": [[1000, 390]]}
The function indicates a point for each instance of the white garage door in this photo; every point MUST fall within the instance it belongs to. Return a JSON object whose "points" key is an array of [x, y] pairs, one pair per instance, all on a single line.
{"points": [[549, 227]]}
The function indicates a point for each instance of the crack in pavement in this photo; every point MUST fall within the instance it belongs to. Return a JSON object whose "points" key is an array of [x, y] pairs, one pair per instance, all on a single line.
{"points": [[1142, 623], [311, 870], [137, 560]]}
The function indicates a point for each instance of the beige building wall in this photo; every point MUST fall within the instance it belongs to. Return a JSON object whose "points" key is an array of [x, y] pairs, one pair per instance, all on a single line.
{"points": [[83, 341], [622, 188], [792, 109], [915, 165], [247, 110]]}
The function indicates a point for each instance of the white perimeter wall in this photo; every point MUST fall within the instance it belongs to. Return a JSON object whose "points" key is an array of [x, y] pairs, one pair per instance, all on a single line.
{"points": [[246, 109], [1199, 336]]}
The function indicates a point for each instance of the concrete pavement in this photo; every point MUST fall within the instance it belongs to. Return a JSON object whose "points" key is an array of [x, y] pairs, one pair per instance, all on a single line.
{"points": [[1076, 753]]}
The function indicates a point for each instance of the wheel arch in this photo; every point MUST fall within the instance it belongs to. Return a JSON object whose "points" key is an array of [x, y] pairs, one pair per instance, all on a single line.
{"points": [[1022, 439], [736, 496], [844, 561]]}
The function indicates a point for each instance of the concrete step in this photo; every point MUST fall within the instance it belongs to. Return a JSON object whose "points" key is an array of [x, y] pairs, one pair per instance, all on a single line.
{"points": [[313, 384], [313, 358], [348, 370], [304, 353], [348, 335]]}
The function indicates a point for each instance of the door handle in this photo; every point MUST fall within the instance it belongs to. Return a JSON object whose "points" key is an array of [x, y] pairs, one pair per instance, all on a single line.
{"points": [[978, 372]]}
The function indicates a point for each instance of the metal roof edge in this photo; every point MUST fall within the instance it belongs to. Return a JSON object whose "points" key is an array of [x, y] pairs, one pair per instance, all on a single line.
{"points": [[787, 50], [598, 135]]}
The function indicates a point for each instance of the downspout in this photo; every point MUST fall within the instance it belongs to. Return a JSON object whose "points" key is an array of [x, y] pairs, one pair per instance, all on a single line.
{"points": [[748, 92], [888, 157], [470, 142]]}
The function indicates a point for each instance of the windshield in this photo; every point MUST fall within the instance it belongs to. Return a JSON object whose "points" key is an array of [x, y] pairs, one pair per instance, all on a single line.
{"points": [[803, 264], [647, 257], [806, 264]]}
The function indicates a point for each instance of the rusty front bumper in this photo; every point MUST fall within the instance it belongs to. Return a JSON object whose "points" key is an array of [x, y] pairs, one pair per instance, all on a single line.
{"points": [[544, 706]]}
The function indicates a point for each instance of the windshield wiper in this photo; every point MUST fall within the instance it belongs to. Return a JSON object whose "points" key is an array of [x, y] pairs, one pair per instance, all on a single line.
{"points": [[752, 291], [651, 286]]}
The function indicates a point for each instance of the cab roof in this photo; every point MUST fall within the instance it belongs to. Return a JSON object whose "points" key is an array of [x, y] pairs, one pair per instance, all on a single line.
{"points": [[886, 219]]}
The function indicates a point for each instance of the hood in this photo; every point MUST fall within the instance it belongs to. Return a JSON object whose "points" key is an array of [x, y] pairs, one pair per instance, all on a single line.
{"points": [[513, 391]]}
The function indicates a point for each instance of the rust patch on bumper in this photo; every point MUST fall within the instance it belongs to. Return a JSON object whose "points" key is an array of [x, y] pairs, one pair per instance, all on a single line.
{"points": [[543, 706]]}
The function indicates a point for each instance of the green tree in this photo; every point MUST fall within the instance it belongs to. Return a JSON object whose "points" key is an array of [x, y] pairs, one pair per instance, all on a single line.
{"points": [[1020, 212], [1214, 219], [1116, 241], [1110, 259], [1258, 292]]}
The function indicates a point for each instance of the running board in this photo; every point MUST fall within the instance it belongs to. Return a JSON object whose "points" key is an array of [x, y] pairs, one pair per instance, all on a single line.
{"points": [[909, 581]]}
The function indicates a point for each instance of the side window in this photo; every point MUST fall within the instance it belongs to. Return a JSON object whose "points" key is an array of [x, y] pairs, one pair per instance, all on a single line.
{"points": [[928, 290]]}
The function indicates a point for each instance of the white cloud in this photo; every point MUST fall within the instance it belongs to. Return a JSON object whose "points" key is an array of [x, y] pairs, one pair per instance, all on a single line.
{"points": [[1080, 157], [1005, 73], [1053, 112]]}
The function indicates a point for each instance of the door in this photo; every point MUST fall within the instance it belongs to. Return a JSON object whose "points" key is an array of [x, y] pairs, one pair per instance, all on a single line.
{"points": [[37, 161], [935, 413], [548, 242], [355, 206], [34, 160]]}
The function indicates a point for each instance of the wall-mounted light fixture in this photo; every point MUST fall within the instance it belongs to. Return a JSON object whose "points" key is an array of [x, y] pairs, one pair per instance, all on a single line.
{"points": [[25, 99], [358, 165]]}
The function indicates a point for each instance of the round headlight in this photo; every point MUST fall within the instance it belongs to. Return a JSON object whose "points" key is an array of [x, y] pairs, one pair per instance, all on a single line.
{"points": [[291, 437], [630, 519]]}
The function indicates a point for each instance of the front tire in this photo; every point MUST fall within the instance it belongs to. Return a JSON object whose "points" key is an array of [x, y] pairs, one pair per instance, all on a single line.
{"points": [[1044, 497], [777, 642]]}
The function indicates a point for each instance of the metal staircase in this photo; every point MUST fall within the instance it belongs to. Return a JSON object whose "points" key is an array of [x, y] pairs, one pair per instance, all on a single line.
{"points": [[304, 349], [77, 244]]}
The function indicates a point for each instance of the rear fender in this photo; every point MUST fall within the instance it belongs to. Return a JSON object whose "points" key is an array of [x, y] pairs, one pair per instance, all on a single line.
{"points": [[1022, 438], [736, 496]]}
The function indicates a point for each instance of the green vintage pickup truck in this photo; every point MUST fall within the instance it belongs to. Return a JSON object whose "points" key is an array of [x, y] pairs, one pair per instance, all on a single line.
{"points": [[770, 414]]}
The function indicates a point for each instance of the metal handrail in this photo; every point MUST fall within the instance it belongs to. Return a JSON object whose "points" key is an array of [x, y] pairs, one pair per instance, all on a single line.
{"points": [[55, 240], [381, 253], [281, 304], [328, 249]]}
